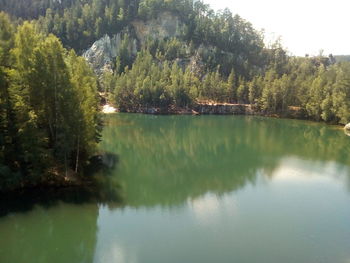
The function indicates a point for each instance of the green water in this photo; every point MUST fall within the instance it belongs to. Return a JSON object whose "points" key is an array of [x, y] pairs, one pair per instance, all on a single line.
{"points": [[197, 189]]}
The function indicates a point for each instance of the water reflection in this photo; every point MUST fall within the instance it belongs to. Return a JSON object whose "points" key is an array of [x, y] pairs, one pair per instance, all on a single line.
{"points": [[166, 160], [98, 188], [60, 234], [281, 217], [301, 171], [195, 189], [210, 209]]}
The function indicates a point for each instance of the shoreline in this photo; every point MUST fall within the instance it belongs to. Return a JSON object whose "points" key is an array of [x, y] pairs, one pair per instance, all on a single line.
{"points": [[60, 180], [226, 109], [72, 180], [215, 109]]}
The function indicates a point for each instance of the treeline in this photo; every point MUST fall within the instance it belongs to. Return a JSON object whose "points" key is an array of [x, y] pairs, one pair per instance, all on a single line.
{"points": [[77, 23], [229, 40], [48, 107], [151, 83], [235, 65], [31, 9], [317, 86]]}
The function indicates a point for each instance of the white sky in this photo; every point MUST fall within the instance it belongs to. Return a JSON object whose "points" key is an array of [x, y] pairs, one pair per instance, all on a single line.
{"points": [[306, 26]]}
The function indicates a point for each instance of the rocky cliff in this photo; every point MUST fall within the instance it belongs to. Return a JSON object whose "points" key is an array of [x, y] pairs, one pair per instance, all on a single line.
{"points": [[166, 25], [102, 54], [104, 51]]}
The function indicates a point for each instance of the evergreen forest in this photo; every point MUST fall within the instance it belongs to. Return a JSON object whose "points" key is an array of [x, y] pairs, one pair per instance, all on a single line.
{"points": [[50, 96]]}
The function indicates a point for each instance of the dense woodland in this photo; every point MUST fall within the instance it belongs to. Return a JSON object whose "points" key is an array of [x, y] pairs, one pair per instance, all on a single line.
{"points": [[48, 107], [48, 104], [317, 87]]}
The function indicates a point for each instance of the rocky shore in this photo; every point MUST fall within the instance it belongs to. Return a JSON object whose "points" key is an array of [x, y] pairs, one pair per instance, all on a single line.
{"points": [[216, 109], [225, 109]]}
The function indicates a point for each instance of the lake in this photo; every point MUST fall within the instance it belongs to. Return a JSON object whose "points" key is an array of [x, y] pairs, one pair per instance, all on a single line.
{"points": [[196, 189]]}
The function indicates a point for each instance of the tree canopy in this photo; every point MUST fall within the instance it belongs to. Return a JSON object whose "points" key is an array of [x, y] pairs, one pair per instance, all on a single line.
{"points": [[48, 94], [48, 105]]}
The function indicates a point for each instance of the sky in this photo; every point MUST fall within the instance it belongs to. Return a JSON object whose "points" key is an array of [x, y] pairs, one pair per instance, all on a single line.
{"points": [[305, 26]]}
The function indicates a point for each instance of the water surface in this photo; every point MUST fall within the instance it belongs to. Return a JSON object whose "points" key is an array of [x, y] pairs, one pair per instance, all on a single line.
{"points": [[198, 189]]}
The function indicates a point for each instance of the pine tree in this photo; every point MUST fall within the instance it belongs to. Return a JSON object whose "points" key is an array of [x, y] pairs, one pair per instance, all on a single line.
{"points": [[231, 89]]}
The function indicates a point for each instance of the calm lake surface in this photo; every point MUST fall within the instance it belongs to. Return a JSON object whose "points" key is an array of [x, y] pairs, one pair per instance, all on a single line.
{"points": [[196, 189]]}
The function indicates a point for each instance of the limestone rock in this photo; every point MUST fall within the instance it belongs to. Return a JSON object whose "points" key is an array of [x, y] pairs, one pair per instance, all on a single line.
{"points": [[166, 25], [224, 109], [104, 51]]}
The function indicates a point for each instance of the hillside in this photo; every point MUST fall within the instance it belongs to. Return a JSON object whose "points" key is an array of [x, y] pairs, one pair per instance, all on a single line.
{"points": [[147, 56], [229, 40], [157, 53]]}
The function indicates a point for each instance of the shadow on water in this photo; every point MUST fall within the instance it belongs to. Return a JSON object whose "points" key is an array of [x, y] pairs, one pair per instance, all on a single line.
{"points": [[167, 160], [93, 190], [102, 163]]}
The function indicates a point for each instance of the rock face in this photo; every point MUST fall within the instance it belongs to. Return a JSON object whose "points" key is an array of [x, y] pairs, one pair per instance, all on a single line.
{"points": [[198, 109], [194, 62], [104, 51], [224, 109], [166, 25]]}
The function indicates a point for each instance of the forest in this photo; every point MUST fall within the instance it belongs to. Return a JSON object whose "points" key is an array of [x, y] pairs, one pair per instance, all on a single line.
{"points": [[49, 105]]}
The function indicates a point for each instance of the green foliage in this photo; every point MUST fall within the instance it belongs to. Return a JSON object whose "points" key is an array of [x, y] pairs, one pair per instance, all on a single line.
{"points": [[315, 86], [222, 39], [8, 134], [152, 84], [50, 94], [125, 57], [48, 107]]}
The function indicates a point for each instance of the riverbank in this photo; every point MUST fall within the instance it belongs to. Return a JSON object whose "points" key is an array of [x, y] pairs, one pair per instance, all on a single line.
{"points": [[215, 109], [53, 178], [212, 108], [58, 177]]}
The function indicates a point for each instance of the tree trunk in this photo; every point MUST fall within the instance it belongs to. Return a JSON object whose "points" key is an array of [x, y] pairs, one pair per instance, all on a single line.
{"points": [[65, 164], [77, 159]]}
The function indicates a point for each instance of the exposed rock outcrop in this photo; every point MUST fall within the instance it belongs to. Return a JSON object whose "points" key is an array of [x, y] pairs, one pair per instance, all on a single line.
{"points": [[104, 51], [194, 62], [166, 25], [225, 109], [198, 109]]}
